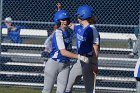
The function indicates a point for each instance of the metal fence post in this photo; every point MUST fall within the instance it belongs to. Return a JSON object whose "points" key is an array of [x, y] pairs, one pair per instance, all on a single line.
{"points": [[139, 21], [0, 26]]}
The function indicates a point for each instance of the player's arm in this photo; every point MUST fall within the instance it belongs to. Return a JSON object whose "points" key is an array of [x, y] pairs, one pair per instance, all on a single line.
{"points": [[61, 46], [95, 51], [14, 28], [96, 43], [11, 27], [71, 26], [95, 58], [64, 52], [59, 6]]}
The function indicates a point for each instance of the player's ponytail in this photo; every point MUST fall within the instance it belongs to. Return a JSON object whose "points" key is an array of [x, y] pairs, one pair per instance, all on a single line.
{"points": [[55, 27], [92, 20]]}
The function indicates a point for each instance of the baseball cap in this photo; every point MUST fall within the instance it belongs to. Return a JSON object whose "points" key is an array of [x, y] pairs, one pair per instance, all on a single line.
{"points": [[8, 19]]}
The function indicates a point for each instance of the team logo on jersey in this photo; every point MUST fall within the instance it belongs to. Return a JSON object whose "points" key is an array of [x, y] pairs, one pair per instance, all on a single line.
{"points": [[67, 40], [79, 30], [81, 38], [64, 14]]}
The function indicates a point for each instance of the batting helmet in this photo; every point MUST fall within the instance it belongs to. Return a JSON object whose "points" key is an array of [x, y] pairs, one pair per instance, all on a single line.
{"points": [[62, 14], [84, 12]]}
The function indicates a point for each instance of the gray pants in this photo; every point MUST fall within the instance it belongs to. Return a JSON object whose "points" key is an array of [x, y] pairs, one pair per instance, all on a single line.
{"points": [[55, 70], [79, 69], [138, 87]]}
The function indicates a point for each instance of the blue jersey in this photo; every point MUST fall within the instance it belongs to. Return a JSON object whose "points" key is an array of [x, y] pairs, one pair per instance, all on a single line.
{"points": [[61, 40], [85, 38], [137, 69], [14, 35]]}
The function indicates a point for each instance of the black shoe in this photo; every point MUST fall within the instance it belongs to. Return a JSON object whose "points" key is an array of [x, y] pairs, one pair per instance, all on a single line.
{"points": [[45, 54]]}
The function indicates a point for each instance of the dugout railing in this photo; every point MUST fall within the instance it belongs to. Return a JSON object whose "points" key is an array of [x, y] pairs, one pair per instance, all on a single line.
{"points": [[116, 72]]}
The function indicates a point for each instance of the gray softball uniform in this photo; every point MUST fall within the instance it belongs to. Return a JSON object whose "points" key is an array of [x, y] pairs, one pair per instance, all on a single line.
{"points": [[85, 38], [81, 69], [55, 70], [136, 49], [58, 66]]}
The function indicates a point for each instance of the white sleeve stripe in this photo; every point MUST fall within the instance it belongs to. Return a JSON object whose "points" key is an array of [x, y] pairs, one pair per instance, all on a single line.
{"points": [[96, 41], [92, 26], [59, 40], [137, 68]]}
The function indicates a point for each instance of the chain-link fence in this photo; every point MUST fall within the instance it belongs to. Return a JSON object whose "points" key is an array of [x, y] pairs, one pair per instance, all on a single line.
{"points": [[117, 21]]}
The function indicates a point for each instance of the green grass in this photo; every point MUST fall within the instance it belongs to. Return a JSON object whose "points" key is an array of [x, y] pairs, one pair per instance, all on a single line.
{"points": [[114, 44], [19, 90], [27, 90], [104, 43]]}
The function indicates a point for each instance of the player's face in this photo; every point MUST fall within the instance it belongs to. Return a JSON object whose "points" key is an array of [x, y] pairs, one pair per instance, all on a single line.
{"points": [[79, 20], [64, 23], [8, 24]]}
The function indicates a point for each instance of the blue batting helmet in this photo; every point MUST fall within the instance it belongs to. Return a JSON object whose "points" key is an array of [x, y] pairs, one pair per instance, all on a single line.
{"points": [[62, 14], [84, 12]]}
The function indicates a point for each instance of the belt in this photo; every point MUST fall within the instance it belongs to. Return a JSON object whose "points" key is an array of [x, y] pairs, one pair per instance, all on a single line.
{"points": [[62, 61], [87, 55]]}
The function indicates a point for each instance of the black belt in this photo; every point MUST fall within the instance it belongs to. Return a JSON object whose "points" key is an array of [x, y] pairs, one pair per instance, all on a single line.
{"points": [[87, 55]]}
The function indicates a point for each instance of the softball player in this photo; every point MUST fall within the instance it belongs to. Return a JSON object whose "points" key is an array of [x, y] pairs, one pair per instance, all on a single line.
{"points": [[13, 35], [88, 44], [48, 47], [137, 75], [136, 51], [57, 67]]}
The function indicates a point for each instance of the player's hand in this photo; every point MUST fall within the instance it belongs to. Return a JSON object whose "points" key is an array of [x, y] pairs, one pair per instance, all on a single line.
{"points": [[83, 58], [12, 28], [59, 6]]}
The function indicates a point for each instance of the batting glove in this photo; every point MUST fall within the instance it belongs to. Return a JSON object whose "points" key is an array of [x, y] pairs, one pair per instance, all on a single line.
{"points": [[83, 58]]}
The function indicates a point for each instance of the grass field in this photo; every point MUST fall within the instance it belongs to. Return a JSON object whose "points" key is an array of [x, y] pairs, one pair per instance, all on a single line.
{"points": [[104, 43], [19, 90], [26, 90]]}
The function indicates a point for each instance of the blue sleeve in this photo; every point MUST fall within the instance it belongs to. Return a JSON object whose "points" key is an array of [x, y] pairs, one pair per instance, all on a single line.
{"points": [[18, 27], [3, 26], [76, 27], [90, 36]]}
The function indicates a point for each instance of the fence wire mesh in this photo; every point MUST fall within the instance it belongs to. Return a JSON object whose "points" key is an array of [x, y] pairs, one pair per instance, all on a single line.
{"points": [[117, 21]]}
